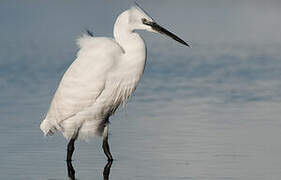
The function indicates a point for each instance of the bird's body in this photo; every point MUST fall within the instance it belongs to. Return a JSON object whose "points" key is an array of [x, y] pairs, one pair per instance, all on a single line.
{"points": [[103, 76]]}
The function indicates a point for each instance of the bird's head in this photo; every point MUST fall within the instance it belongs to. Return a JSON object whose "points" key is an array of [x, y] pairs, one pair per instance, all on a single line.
{"points": [[139, 19]]}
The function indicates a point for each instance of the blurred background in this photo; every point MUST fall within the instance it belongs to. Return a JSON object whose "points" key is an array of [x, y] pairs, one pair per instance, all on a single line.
{"points": [[209, 112]]}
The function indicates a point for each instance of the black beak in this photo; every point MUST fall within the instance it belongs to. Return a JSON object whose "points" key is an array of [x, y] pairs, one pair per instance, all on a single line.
{"points": [[162, 30]]}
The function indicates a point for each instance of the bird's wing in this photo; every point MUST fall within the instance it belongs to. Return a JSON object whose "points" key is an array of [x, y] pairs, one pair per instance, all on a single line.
{"points": [[85, 79]]}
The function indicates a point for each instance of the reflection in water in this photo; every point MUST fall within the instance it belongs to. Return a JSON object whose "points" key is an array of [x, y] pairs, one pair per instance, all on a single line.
{"points": [[71, 170]]}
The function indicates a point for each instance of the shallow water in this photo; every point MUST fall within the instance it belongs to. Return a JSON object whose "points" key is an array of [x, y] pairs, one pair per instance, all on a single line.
{"points": [[164, 133], [155, 140], [193, 116]]}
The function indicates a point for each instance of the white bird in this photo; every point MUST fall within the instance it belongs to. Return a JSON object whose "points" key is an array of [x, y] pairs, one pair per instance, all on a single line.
{"points": [[103, 76]]}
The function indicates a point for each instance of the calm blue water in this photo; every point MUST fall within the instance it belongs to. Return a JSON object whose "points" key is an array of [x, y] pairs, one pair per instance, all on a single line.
{"points": [[210, 112]]}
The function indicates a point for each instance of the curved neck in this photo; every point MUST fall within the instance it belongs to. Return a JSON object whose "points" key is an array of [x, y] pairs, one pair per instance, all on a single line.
{"points": [[128, 39]]}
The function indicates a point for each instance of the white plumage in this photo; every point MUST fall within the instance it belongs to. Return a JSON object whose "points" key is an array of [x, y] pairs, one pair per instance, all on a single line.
{"points": [[103, 76]]}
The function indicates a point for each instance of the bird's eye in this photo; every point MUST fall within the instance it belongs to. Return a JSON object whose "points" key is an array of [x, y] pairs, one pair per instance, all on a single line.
{"points": [[144, 20]]}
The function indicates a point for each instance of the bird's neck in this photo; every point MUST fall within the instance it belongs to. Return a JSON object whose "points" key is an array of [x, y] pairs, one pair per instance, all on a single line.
{"points": [[127, 38], [134, 56]]}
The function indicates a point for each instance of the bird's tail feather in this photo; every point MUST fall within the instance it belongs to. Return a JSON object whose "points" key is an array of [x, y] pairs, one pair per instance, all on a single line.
{"points": [[47, 128]]}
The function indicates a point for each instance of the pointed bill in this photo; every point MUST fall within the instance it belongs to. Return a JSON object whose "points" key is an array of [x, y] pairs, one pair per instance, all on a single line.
{"points": [[160, 29]]}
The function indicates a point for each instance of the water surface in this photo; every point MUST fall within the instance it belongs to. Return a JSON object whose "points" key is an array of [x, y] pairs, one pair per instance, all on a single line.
{"points": [[210, 112]]}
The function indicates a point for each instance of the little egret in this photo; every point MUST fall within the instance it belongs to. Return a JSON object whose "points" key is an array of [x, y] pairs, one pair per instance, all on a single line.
{"points": [[103, 76]]}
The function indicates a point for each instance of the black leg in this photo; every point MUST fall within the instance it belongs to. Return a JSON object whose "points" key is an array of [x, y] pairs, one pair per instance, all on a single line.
{"points": [[106, 170], [105, 145], [70, 149], [70, 170], [106, 150]]}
